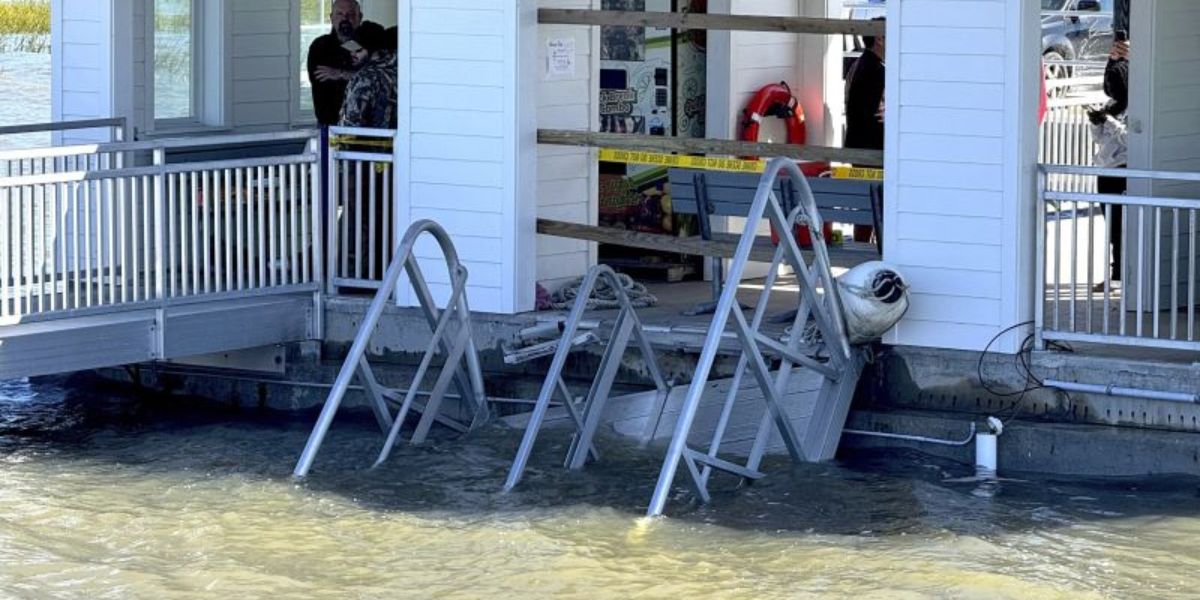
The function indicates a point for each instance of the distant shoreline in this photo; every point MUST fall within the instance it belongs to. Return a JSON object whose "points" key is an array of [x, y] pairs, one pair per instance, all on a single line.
{"points": [[25, 25]]}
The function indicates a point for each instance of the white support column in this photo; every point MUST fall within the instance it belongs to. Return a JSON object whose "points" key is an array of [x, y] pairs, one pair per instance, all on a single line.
{"points": [[466, 145], [960, 158]]}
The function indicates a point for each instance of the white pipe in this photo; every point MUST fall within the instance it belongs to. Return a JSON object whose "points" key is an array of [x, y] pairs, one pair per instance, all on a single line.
{"points": [[1110, 390], [913, 438], [986, 451]]}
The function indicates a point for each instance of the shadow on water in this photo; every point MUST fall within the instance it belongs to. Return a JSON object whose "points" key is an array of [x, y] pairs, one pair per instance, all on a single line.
{"points": [[876, 493]]}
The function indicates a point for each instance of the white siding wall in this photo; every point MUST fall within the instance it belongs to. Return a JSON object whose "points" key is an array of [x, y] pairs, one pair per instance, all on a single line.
{"points": [[961, 97], [81, 64], [265, 75], [467, 115], [568, 177]]}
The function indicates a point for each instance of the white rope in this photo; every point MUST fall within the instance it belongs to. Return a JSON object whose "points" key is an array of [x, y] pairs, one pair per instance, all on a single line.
{"points": [[603, 295]]}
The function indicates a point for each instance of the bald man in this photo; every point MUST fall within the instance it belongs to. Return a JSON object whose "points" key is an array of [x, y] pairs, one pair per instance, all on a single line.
{"points": [[330, 66]]}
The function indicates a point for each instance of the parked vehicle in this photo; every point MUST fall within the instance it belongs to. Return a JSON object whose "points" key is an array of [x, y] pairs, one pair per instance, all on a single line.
{"points": [[1076, 30]]}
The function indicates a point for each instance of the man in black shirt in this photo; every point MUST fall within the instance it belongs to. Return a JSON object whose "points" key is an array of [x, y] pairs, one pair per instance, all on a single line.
{"points": [[329, 65], [864, 97]]}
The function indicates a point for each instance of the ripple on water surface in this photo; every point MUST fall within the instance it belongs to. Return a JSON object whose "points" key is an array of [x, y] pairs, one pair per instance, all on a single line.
{"points": [[107, 494]]}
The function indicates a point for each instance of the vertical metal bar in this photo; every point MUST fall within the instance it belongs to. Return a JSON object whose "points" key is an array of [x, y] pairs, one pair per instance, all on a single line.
{"points": [[87, 242], [1174, 301], [39, 244], [227, 242], [358, 219], [1125, 278], [388, 225], [160, 226], [318, 224], [218, 242], [110, 203], [1091, 266], [294, 234], [1074, 290], [1157, 270], [194, 203], [75, 235], [239, 205], [343, 173], [209, 208], [262, 228], [252, 226], [1057, 263], [272, 229], [136, 209], [1141, 270], [174, 231], [56, 254], [307, 239], [1191, 303], [1108, 261], [371, 217]]}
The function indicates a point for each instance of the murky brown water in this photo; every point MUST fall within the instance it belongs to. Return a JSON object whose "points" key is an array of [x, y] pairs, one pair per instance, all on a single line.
{"points": [[106, 495]]}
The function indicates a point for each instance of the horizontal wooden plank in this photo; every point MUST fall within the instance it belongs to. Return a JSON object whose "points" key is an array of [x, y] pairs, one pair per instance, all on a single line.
{"points": [[849, 255], [708, 146], [666, 20]]}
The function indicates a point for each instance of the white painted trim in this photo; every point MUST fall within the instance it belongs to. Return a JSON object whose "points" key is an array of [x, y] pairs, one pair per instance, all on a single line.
{"points": [[56, 67], [402, 146], [521, 210], [1020, 169]]}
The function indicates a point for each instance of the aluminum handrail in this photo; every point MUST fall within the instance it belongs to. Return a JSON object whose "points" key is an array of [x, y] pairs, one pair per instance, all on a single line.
{"points": [[1119, 172], [165, 169], [116, 122]]}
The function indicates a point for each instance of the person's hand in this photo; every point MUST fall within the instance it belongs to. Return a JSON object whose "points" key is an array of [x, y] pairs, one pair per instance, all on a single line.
{"points": [[879, 113], [1120, 50], [327, 74]]}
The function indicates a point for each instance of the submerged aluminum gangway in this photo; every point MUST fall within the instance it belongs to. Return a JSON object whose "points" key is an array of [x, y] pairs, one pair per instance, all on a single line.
{"points": [[804, 399], [451, 338]]}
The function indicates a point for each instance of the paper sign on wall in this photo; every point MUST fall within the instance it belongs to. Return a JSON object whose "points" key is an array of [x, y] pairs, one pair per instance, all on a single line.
{"points": [[560, 55]]}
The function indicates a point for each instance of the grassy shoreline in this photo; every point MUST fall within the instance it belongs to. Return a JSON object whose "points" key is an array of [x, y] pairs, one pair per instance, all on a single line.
{"points": [[24, 25], [24, 17]]}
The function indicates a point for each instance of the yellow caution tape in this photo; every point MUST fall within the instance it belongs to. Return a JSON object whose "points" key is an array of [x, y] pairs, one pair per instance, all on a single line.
{"points": [[349, 140], [706, 163], [655, 159], [858, 173]]}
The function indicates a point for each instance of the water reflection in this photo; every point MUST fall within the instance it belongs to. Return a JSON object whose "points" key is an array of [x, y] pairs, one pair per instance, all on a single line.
{"points": [[108, 493]]}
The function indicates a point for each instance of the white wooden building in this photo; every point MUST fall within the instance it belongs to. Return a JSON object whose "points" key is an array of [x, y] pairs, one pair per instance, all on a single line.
{"points": [[961, 145]]}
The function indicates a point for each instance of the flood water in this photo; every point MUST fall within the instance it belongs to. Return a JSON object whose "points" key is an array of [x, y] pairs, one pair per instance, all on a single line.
{"points": [[25, 82], [110, 494]]}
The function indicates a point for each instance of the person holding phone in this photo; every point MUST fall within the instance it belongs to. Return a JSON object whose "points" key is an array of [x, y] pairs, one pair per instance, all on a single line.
{"points": [[1109, 132]]}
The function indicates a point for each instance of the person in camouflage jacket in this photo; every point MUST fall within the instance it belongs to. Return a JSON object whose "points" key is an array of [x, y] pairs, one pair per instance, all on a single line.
{"points": [[371, 94]]}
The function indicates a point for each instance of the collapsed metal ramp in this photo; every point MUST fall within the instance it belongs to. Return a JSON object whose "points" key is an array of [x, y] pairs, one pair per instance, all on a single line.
{"points": [[817, 343], [791, 393], [451, 338]]}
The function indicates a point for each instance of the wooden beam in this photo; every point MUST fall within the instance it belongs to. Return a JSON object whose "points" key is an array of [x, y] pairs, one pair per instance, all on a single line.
{"points": [[649, 241], [666, 20], [872, 158]]}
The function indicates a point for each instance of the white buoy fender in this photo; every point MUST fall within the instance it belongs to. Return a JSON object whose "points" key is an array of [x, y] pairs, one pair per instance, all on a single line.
{"points": [[874, 299]]}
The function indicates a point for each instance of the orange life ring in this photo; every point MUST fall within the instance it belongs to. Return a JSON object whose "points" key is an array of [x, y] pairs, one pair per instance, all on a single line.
{"points": [[774, 100]]}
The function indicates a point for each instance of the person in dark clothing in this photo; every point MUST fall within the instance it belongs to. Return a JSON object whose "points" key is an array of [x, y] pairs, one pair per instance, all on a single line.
{"points": [[864, 107], [329, 65], [1108, 129], [864, 97], [371, 94]]}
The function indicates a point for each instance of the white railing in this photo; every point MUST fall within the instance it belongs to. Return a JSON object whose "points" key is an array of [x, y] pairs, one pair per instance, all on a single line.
{"points": [[361, 210], [81, 157], [1066, 139], [1119, 269], [97, 239]]}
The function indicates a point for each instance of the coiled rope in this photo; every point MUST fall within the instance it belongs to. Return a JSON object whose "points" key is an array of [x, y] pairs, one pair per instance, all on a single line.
{"points": [[603, 295]]}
